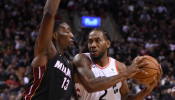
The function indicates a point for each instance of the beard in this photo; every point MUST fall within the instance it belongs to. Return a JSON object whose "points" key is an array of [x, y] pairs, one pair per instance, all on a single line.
{"points": [[98, 57], [70, 47]]}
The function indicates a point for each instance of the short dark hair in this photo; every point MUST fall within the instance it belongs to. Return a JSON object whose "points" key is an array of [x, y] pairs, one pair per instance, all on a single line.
{"points": [[105, 33], [57, 25]]}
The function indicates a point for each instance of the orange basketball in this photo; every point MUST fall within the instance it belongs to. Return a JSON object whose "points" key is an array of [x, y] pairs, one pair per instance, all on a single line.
{"points": [[152, 69]]}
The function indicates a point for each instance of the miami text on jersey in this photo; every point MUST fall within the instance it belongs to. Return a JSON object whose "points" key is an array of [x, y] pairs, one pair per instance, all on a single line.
{"points": [[62, 68]]}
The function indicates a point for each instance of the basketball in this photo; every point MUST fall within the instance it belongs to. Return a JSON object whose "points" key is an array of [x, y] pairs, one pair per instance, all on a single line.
{"points": [[152, 68]]}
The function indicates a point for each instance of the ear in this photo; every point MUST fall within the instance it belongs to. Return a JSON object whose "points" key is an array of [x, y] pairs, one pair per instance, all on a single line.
{"points": [[55, 36], [108, 43]]}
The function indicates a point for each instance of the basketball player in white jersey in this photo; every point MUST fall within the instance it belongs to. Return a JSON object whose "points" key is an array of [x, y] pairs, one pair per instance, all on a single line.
{"points": [[101, 77]]}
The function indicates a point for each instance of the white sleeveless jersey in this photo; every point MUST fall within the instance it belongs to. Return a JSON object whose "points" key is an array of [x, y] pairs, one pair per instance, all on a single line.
{"points": [[109, 70]]}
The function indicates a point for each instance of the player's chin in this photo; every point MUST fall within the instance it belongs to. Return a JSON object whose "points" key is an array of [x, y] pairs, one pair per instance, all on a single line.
{"points": [[71, 45], [94, 55]]}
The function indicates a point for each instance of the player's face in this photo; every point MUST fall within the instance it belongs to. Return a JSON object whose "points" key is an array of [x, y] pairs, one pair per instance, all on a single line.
{"points": [[65, 38], [97, 44]]}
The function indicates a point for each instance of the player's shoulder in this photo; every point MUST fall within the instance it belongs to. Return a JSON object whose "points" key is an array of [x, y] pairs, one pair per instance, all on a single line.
{"points": [[80, 57], [121, 66]]}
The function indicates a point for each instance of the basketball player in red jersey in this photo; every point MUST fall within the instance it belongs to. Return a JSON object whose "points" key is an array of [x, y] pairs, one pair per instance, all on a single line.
{"points": [[96, 71], [53, 77]]}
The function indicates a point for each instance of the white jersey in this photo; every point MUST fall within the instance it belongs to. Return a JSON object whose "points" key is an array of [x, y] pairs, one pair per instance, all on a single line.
{"points": [[109, 70]]}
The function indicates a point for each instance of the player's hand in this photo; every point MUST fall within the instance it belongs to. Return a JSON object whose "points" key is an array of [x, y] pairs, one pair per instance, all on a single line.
{"points": [[134, 67], [151, 86]]}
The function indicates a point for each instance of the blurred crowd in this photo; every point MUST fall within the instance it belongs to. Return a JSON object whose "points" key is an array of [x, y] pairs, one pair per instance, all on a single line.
{"points": [[147, 27]]}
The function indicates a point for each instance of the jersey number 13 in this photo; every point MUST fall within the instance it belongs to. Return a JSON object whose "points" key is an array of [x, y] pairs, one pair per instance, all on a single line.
{"points": [[65, 83]]}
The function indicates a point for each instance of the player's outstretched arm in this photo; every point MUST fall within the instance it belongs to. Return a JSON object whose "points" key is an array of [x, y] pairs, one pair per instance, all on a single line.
{"points": [[43, 44], [46, 30], [92, 84]]}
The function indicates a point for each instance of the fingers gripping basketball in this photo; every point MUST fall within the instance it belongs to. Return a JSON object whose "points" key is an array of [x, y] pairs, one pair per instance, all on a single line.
{"points": [[153, 69]]}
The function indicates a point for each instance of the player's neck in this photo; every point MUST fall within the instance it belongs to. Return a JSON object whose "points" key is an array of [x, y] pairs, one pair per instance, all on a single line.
{"points": [[60, 51], [103, 61], [58, 48]]}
